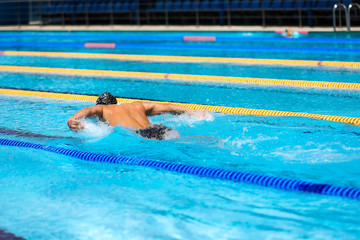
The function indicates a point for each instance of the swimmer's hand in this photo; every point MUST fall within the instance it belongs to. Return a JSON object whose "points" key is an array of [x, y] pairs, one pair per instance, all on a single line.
{"points": [[199, 114], [75, 124]]}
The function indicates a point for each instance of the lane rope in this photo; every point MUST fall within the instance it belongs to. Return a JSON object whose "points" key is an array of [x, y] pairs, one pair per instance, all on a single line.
{"points": [[178, 38], [221, 109], [179, 77], [236, 176], [198, 47], [159, 58]]}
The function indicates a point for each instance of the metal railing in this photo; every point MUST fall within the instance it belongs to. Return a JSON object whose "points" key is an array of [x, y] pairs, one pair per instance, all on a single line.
{"points": [[339, 6], [351, 5]]}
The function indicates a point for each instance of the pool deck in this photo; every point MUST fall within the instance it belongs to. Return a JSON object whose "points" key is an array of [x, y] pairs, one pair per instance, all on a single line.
{"points": [[167, 28]]}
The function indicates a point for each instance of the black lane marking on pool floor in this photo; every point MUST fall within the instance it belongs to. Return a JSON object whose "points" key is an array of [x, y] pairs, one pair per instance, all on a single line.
{"points": [[4, 235], [22, 133]]}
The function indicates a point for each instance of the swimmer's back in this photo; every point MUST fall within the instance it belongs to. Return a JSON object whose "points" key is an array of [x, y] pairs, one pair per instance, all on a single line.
{"points": [[126, 115]]}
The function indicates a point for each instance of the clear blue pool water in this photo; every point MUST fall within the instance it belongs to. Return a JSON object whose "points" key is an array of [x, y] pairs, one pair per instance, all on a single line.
{"points": [[47, 196], [324, 46]]}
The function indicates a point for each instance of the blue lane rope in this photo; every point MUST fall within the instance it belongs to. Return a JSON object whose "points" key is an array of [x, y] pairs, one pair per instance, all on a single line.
{"points": [[185, 46], [275, 38], [40, 44], [258, 179]]}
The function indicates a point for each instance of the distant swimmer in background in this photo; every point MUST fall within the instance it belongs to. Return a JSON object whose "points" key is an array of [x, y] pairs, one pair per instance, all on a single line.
{"points": [[289, 33], [131, 115]]}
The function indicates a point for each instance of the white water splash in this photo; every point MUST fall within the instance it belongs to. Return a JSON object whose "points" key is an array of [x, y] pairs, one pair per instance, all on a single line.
{"points": [[198, 116], [172, 134], [238, 145], [311, 152], [97, 129]]}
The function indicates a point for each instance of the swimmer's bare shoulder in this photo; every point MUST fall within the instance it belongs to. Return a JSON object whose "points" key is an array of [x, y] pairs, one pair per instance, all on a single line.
{"points": [[139, 105], [134, 106]]}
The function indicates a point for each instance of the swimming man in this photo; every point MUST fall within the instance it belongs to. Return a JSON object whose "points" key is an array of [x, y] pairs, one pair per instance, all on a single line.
{"points": [[289, 33], [130, 115]]}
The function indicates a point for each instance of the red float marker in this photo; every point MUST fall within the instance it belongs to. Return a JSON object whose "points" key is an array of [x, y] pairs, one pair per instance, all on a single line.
{"points": [[303, 32], [199, 39], [2, 52], [319, 63], [99, 45]]}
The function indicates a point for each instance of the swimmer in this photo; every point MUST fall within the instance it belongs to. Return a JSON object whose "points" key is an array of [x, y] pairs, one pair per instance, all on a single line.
{"points": [[131, 115], [289, 33]]}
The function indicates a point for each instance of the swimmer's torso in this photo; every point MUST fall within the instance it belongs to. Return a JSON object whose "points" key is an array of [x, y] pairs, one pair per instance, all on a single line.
{"points": [[126, 115]]}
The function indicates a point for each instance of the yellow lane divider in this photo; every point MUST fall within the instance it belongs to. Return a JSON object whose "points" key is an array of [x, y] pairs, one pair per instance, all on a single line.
{"points": [[182, 77], [154, 58], [222, 109]]}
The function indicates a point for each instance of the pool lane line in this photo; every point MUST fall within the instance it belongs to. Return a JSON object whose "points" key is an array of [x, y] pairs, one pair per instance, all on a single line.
{"points": [[221, 109], [159, 58], [230, 175], [197, 47], [181, 38], [179, 77]]}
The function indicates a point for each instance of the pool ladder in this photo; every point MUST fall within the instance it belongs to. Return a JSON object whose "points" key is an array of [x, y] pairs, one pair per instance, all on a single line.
{"points": [[347, 13]]}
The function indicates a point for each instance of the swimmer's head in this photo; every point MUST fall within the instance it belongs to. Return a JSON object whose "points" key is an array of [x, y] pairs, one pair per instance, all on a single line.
{"points": [[106, 99]]}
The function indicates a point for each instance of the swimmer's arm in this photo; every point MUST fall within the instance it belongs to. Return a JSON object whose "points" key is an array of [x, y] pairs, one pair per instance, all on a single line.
{"points": [[74, 122], [157, 108]]}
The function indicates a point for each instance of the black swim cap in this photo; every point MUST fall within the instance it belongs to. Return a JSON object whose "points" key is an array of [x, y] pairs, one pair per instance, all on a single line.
{"points": [[106, 99]]}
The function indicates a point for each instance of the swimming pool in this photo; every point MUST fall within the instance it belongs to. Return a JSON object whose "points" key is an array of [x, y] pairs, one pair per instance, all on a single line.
{"points": [[50, 196]]}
